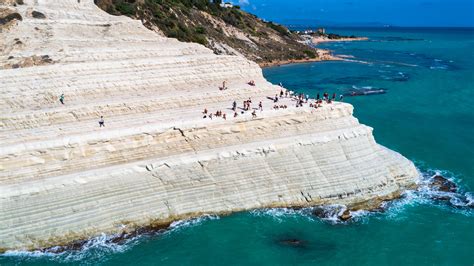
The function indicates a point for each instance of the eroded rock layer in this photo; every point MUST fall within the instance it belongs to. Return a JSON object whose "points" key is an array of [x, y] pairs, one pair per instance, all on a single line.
{"points": [[63, 178]]}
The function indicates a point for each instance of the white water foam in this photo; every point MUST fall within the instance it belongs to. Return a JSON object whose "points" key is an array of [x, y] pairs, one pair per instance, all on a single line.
{"points": [[98, 248], [95, 249], [182, 224]]}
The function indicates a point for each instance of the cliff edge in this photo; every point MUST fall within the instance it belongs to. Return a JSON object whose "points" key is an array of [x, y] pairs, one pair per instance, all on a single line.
{"points": [[64, 178]]}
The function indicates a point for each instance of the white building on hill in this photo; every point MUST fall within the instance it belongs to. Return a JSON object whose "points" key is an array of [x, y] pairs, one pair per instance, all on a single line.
{"points": [[227, 5]]}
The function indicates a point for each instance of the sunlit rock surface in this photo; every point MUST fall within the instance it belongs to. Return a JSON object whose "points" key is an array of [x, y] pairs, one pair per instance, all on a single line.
{"points": [[63, 178]]}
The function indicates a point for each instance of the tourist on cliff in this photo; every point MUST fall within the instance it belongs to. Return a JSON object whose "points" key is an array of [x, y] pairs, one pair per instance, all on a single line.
{"points": [[334, 96], [101, 122], [224, 116], [61, 98], [234, 106], [275, 100], [317, 97], [254, 114], [260, 106], [223, 86], [235, 114], [281, 93], [341, 97]]}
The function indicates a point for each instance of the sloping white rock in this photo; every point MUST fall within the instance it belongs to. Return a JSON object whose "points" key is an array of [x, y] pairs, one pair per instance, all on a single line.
{"points": [[63, 178]]}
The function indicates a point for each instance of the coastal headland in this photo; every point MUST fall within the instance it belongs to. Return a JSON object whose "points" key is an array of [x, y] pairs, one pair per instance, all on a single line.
{"points": [[160, 157], [318, 39]]}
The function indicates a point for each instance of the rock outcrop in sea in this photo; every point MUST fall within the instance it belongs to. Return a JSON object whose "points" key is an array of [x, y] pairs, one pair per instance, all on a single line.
{"points": [[63, 178]]}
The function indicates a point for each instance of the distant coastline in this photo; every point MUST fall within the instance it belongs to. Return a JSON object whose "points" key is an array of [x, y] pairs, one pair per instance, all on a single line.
{"points": [[312, 39], [321, 39], [323, 55]]}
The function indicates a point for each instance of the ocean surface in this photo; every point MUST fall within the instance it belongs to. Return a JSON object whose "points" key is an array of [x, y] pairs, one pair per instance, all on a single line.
{"points": [[427, 115]]}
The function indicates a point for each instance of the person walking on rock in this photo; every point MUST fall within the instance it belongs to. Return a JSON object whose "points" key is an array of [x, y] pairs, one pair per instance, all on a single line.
{"points": [[101, 122], [61, 98], [260, 106], [254, 114]]}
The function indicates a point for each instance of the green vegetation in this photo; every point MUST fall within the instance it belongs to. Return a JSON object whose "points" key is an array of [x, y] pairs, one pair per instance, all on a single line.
{"points": [[310, 53], [207, 23], [125, 8], [282, 30]]}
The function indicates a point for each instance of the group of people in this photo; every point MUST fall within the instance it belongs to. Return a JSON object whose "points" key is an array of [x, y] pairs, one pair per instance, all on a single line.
{"points": [[329, 99], [218, 113], [300, 100], [247, 104]]}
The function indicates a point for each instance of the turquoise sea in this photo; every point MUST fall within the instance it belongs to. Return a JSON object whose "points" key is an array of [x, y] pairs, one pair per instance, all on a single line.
{"points": [[427, 115]]}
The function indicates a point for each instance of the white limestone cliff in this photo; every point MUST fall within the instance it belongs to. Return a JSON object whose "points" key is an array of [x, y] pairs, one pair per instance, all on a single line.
{"points": [[63, 178]]}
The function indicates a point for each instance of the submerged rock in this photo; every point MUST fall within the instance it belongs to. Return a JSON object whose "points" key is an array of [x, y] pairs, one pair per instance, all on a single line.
{"points": [[293, 242], [365, 92]]}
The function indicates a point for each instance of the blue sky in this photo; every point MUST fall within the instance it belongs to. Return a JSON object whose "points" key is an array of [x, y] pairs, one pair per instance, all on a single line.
{"points": [[448, 13]]}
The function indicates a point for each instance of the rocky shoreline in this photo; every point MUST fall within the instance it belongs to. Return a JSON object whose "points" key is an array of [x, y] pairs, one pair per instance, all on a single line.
{"points": [[335, 213]]}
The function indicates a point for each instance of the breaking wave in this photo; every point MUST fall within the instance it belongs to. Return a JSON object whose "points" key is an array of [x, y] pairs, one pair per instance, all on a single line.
{"points": [[460, 202], [99, 248]]}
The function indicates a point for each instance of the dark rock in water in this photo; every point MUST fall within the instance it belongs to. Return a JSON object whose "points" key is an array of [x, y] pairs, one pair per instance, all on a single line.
{"points": [[332, 212], [319, 212], [441, 197], [37, 14], [76, 245], [442, 184], [346, 215], [293, 242], [326, 211]]}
